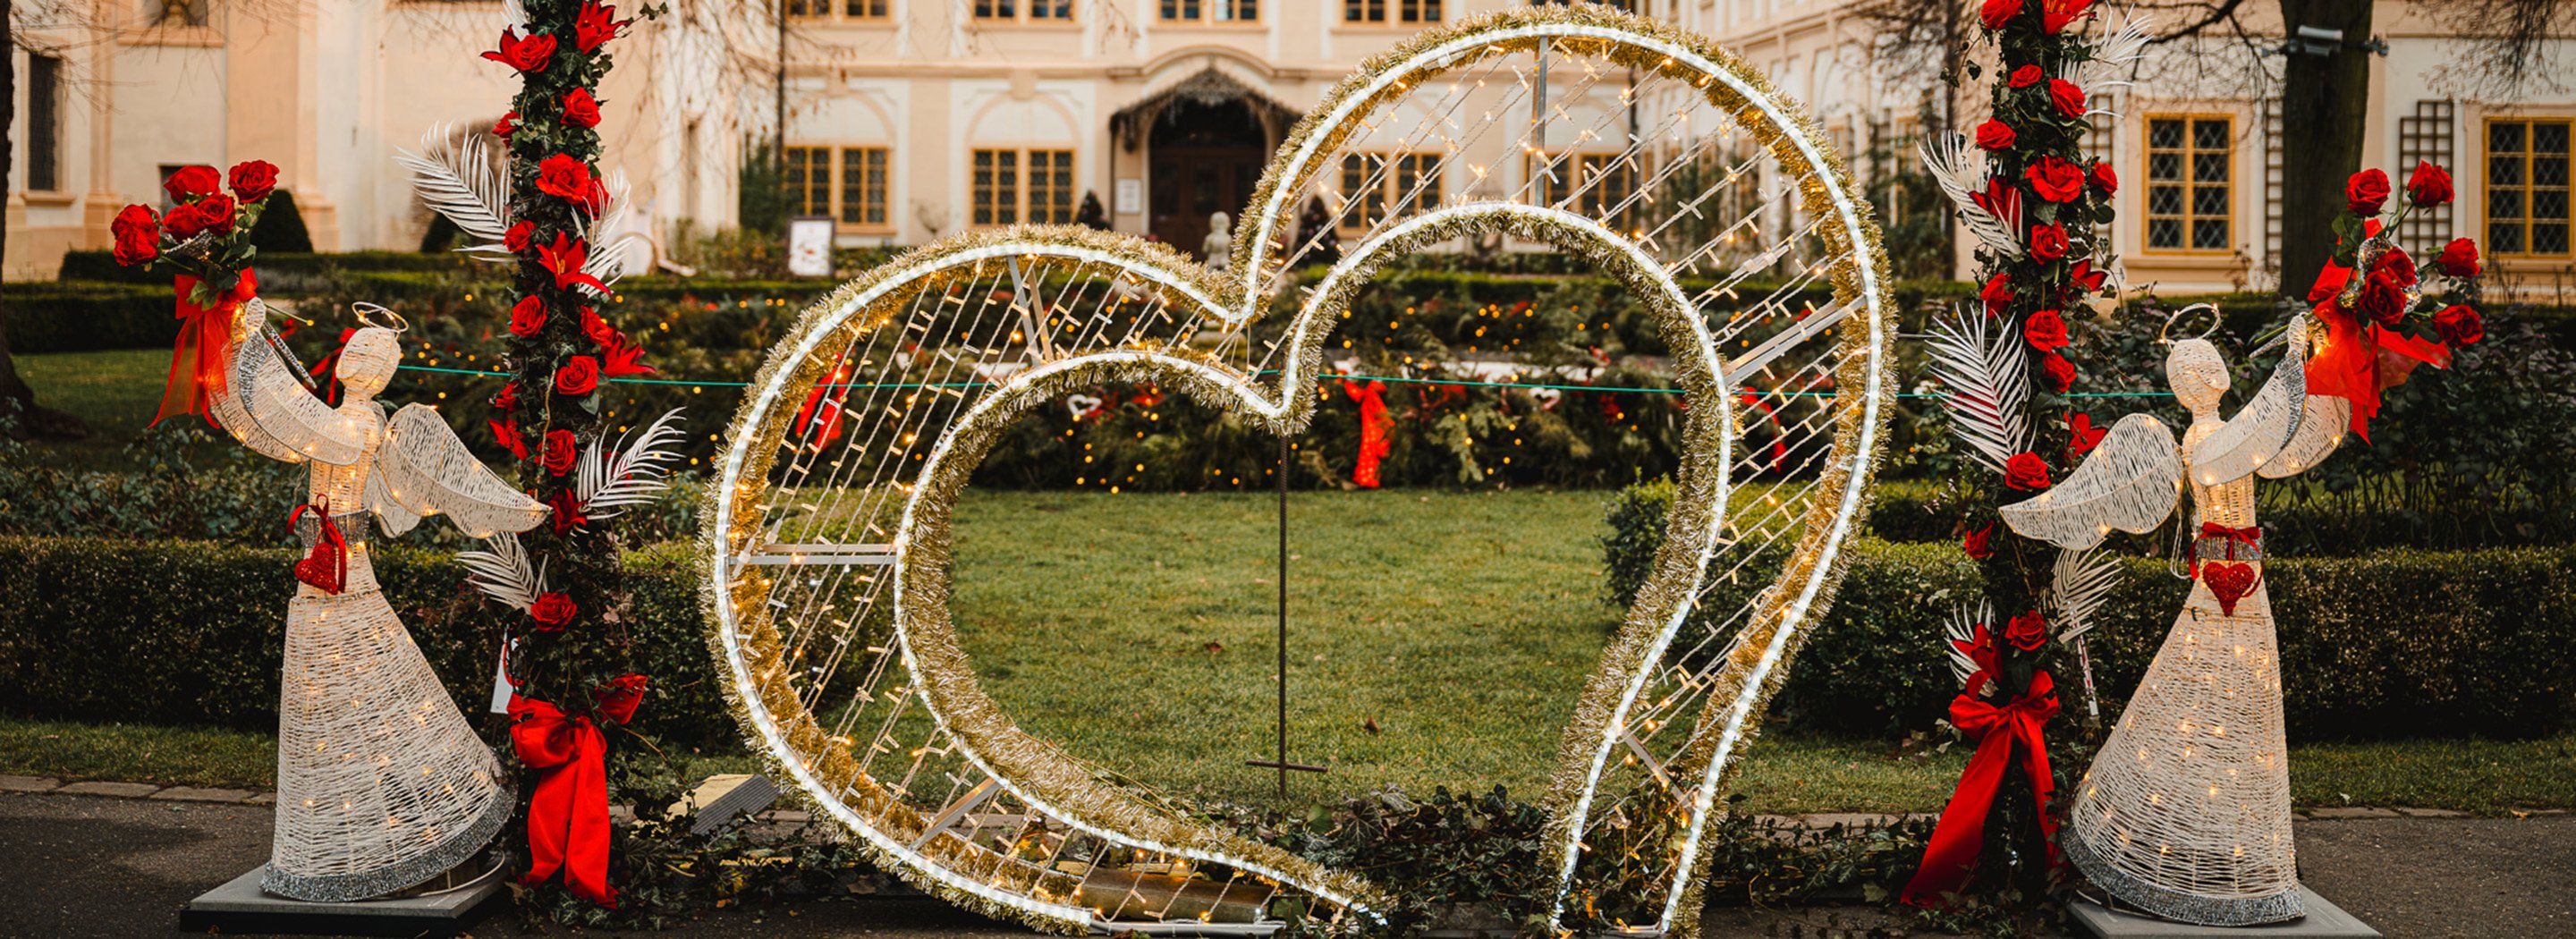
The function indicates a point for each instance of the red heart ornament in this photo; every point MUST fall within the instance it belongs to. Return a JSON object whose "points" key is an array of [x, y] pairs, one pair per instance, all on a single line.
{"points": [[2229, 582], [326, 567]]}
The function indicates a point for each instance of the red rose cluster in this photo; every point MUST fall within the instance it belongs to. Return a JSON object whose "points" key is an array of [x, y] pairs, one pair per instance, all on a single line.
{"points": [[203, 208]]}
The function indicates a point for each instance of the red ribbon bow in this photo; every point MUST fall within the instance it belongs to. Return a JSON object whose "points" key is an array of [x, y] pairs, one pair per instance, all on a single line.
{"points": [[204, 349], [568, 814], [1374, 423], [2003, 733]]}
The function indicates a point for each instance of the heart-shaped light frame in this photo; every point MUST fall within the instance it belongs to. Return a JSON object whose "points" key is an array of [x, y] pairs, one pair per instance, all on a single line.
{"points": [[764, 687]]}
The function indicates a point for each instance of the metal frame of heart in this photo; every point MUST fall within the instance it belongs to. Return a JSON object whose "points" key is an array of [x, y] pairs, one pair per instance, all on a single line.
{"points": [[762, 675]]}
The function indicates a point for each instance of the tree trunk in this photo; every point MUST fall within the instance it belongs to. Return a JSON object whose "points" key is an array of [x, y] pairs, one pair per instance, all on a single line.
{"points": [[18, 410], [2325, 112]]}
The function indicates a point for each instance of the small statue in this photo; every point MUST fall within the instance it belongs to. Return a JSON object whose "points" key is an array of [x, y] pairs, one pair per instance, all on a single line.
{"points": [[1219, 244], [381, 783], [2185, 812]]}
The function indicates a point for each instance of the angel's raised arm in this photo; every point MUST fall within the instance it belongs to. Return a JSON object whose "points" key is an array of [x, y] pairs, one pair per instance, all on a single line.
{"points": [[423, 469], [2130, 483], [266, 405], [2262, 431]]}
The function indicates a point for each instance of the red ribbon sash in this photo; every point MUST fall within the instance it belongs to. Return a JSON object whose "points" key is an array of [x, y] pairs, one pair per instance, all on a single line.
{"points": [[2004, 734], [204, 349], [568, 814]]}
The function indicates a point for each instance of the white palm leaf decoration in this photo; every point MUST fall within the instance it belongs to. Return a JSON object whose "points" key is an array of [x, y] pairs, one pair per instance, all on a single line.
{"points": [[2077, 587], [1984, 368], [1962, 631], [630, 472], [502, 573], [607, 259], [1952, 163], [515, 14], [2121, 46], [460, 181]]}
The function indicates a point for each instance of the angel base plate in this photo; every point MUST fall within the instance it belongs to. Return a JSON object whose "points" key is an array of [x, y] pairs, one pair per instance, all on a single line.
{"points": [[2324, 920]]}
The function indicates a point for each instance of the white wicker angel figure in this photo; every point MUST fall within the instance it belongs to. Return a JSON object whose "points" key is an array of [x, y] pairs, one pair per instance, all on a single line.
{"points": [[381, 783], [2185, 812]]}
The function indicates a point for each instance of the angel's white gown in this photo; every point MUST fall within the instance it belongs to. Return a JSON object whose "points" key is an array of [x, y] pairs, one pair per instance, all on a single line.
{"points": [[2186, 809], [381, 783]]}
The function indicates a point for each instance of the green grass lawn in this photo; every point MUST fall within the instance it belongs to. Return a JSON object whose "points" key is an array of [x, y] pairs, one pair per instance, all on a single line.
{"points": [[1137, 630], [115, 392]]}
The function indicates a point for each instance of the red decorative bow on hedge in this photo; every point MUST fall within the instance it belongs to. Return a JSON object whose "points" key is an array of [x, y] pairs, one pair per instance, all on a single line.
{"points": [[568, 814], [2005, 734], [1374, 424]]}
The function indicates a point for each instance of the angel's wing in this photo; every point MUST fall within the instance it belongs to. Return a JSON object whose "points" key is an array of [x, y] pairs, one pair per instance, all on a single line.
{"points": [[2131, 483], [271, 411], [2264, 427], [2321, 426], [391, 515], [427, 471]]}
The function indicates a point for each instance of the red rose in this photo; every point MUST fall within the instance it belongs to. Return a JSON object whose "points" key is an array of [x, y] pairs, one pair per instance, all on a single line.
{"points": [[1995, 135], [2383, 299], [2459, 258], [559, 452], [2460, 326], [1998, 12], [580, 109], [508, 399], [564, 178], [527, 55], [2056, 179], [2048, 242], [597, 328], [552, 610], [253, 180], [2027, 631], [1977, 544], [2430, 185], [507, 125], [527, 317], [567, 506], [2366, 192], [2104, 179], [517, 238], [596, 24], [2060, 372], [2082, 436], [2396, 261], [2045, 331], [1998, 294], [2026, 471], [2025, 76], [183, 222], [2068, 98], [215, 213], [138, 235], [577, 376], [190, 183]]}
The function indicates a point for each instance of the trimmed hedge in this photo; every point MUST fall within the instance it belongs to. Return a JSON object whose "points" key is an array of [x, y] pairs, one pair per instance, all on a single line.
{"points": [[2390, 644], [87, 316], [194, 632]]}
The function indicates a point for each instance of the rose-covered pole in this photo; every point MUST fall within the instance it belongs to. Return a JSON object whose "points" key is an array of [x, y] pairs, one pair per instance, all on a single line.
{"points": [[2051, 198], [569, 663]]}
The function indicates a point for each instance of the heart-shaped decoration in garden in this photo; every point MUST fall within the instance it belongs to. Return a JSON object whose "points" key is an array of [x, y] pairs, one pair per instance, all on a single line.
{"points": [[827, 560]]}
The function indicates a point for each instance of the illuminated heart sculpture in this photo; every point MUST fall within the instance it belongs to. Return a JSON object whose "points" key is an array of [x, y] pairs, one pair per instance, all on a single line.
{"points": [[827, 559]]}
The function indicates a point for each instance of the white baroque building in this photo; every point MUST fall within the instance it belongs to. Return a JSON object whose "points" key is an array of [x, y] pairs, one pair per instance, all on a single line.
{"points": [[908, 120]]}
